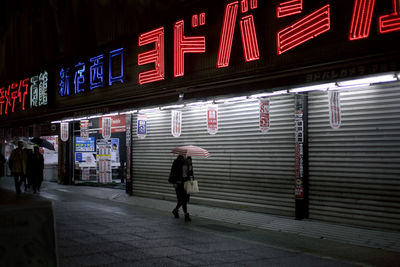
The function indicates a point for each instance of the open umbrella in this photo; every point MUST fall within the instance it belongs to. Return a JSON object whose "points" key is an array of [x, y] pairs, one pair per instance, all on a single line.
{"points": [[42, 143], [193, 151]]}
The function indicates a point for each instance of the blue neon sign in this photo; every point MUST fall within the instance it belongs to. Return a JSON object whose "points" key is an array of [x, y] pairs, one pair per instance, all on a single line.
{"points": [[64, 82], [79, 80], [118, 78], [96, 73]]}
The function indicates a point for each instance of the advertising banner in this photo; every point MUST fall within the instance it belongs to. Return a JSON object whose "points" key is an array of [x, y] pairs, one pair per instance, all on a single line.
{"points": [[84, 144], [264, 115], [84, 129], [103, 151], [335, 117], [141, 126], [212, 119], [299, 144], [106, 127], [176, 123], [64, 131], [118, 124]]}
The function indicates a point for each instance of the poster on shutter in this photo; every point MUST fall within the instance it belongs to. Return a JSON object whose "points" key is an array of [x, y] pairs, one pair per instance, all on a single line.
{"points": [[212, 119], [264, 115], [84, 129], [103, 155], [64, 131], [176, 123], [335, 117], [141, 126], [106, 127]]}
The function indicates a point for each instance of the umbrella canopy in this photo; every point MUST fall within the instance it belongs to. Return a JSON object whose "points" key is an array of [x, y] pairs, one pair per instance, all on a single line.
{"points": [[193, 151], [42, 143]]}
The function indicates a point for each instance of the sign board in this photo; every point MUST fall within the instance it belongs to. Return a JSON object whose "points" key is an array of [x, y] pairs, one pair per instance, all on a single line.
{"points": [[106, 127], [264, 115], [84, 129], [118, 124], [176, 123], [64, 131], [141, 126], [84, 144], [103, 151], [335, 116], [212, 119]]}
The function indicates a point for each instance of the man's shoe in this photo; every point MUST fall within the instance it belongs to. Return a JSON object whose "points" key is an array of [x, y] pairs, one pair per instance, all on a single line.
{"points": [[176, 214], [187, 218]]}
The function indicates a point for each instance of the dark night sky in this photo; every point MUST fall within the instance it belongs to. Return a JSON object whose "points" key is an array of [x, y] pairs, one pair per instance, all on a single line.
{"points": [[34, 34]]}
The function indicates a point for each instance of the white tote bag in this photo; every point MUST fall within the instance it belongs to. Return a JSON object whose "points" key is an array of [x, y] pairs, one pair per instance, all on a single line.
{"points": [[191, 186]]}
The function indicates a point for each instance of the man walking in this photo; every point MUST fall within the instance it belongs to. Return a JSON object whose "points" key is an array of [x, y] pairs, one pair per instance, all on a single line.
{"points": [[16, 164]]}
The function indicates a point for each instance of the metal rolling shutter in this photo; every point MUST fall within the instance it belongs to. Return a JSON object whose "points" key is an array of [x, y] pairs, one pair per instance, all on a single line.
{"points": [[355, 170], [247, 169]]}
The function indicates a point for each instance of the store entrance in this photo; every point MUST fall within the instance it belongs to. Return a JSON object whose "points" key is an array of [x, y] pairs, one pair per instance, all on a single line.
{"points": [[99, 160]]}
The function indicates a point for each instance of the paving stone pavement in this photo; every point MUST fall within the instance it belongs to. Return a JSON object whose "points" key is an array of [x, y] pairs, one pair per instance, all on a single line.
{"points": [[94, 230]]}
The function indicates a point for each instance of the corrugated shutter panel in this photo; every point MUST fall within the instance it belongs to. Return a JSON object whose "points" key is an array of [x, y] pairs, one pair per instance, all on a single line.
{"points": [[247, 169], [355, 170]]}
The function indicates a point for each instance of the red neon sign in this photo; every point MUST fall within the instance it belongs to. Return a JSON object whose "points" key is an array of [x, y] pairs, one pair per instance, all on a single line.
{"points": [[247, 30], [304, 30], [289, 8], [183, 45], [16, 92], [198, 20], [301, 31], [361, 19], [391, 22], [155, 56]]}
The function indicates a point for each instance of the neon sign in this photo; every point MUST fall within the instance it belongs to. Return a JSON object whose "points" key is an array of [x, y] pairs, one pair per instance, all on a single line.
{"points": [[14, 97], [38, 90], [362, 18], [304, 29], [247, 30], [183, 45], [96, 73], [155, 56], [239, 15]]}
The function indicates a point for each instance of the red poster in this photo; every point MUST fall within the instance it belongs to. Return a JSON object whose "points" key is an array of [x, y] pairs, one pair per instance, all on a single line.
{"points": [[84, 129], [176, 123], [335, 118], [106, 127], [264, 115], [212, 119], [118, 124]]}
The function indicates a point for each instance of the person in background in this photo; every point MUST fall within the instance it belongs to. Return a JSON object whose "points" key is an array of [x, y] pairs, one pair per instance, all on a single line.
{"points": [[17, 163], [178, 176], [28, 173], [2, 161], [36, 169]]}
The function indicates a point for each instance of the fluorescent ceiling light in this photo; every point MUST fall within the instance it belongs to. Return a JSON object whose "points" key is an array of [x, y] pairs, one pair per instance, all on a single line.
{"points": [[233, 99], [280, 92], [172, 107], [128, 112], [78, 119], [55, 122], [94, 116], [199, 103], [68, 120], [149, 110], [369, 80], [318, 87], [110, 115]]}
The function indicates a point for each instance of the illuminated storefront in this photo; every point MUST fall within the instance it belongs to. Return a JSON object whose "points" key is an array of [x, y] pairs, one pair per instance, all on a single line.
{"points": [[297, 102]]}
